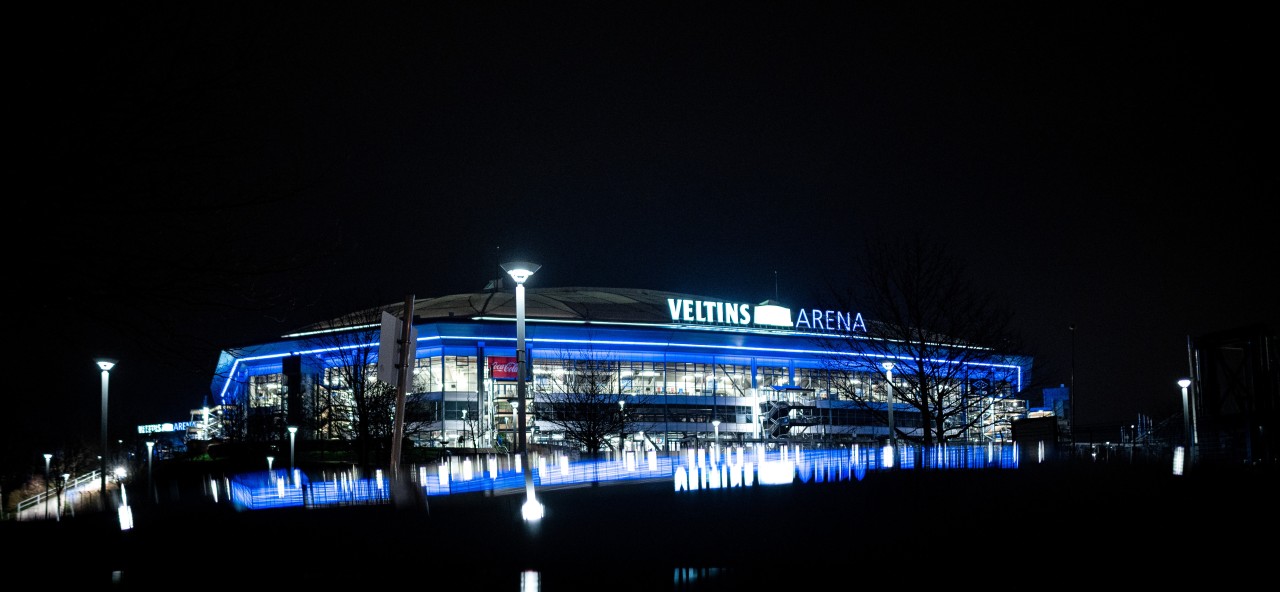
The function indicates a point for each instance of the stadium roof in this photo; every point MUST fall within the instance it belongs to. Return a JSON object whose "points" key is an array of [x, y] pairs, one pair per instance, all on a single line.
{"points": [[584, 304]]}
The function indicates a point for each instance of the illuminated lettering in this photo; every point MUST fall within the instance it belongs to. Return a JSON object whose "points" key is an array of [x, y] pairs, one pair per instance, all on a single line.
{"points": [[829, 320], [734, 313], [708, 311], [156, 428]]}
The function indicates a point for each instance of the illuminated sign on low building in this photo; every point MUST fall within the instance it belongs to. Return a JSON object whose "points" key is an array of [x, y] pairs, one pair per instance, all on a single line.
{"points": [[767, 315], [177, 426]]}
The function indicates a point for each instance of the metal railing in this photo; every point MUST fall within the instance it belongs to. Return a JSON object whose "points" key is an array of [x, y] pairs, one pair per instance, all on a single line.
{"points": [[43, 497]]}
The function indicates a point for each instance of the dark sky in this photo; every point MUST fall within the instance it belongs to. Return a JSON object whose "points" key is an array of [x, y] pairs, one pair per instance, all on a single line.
{"points": [[190, 179]]}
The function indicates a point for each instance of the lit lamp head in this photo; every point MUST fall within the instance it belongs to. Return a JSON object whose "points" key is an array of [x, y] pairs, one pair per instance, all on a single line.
{"points": [[888, 366], [1184, 383], [293, 430], [520, 270], [106, 365]]}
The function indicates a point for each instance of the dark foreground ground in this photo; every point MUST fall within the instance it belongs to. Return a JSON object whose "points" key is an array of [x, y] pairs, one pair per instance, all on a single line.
{"points": [[995, 529]]}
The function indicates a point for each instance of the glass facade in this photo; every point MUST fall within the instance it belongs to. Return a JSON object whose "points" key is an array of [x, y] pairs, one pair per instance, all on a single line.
{"points": [[680, 386]]}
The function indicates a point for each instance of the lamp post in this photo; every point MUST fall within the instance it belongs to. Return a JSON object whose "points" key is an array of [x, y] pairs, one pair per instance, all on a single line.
{"points": [[47, 458], [893, 434], [715, 424], [1185, 383], [64, 496], [293, 433], [151, 488], [124, 496], [270, 460], [105, 365], [124, 511], [622, 429], [520, 272], [1071, 394]]}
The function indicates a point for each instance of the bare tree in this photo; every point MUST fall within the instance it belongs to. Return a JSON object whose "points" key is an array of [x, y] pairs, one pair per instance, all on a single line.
{"points": [[470, 428], [357, 407], [421, 414], [74, 459], [949, 340], [582, 398]]}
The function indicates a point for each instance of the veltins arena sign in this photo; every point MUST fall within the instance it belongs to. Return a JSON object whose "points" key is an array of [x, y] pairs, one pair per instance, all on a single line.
{"points": [[764, 315]]}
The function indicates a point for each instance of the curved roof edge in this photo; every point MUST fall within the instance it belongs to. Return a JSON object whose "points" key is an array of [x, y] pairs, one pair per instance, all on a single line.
{"points": [[570, 303]]}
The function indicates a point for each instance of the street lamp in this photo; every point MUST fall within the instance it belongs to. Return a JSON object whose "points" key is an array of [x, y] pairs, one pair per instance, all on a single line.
{"points": [[64, 495], [715, 423], [47, 458], [105, 365], [1186, 421], [1071, 394], [622, 429], [270, 461], [293, 432], [151, 488], [124, 496], [893, 434], [520, 272]]}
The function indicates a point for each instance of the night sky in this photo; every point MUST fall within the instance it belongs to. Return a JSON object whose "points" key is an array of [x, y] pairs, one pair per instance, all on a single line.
{"points": [[194, 178]]}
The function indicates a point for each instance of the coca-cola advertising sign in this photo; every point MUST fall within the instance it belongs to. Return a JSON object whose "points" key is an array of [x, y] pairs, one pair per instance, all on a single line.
{"points": [[503, 368]]}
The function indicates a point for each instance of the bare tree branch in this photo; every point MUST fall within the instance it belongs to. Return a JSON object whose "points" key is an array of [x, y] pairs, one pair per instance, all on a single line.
{"points": [[951, 343]]}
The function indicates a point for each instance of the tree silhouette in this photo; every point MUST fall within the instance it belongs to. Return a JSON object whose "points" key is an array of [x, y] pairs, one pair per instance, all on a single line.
{"points": [[951, 343], [579, 394]]}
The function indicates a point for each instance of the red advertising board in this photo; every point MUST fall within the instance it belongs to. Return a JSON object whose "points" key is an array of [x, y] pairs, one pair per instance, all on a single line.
{"points": [[503, 368]]}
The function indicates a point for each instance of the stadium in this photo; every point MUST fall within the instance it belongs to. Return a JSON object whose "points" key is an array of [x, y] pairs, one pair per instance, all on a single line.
{"points": [[611, 372]]}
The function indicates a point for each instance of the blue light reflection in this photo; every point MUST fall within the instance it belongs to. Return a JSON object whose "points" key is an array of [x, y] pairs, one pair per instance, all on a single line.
{"points": [[689, 470]]}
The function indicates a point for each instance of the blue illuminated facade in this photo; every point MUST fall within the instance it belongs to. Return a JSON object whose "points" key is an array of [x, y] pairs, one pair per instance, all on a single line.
{"points": [[690, 370]]}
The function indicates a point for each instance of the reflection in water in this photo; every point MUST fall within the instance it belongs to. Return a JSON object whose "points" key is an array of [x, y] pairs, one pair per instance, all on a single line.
{"points": [[690, 578], [690, 470], [682, 579]]}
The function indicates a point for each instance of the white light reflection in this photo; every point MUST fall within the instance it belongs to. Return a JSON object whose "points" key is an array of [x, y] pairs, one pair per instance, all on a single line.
{"points": [[530, 581], [690, 470]]}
